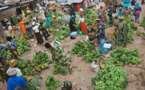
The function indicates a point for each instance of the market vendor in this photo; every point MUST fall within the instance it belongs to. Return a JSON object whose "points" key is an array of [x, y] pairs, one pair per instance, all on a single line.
{"points": [[23, 14], [116, 27], [101, 13], [3, 68], [42, 12], [22, 26], [137, 11], [12, 47], [48, 21], [11, 31], [123, 28], [82, 23], [16, 82], [100, 33], [72, 26], [91, 31], [58, 53]]}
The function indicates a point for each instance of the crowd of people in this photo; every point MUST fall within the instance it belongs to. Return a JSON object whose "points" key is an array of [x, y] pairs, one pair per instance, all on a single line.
{"points": [[118, 17]]}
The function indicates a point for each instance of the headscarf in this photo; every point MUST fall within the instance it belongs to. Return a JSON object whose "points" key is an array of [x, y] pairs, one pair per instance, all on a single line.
{"points": [[12, 72], [13, 63], [137, 3], [1, 58], [81, 14]]}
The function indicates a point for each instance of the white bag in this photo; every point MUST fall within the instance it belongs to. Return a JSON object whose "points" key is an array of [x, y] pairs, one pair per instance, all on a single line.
{"points": [[87, 38], [94, 67], [17, 69]]}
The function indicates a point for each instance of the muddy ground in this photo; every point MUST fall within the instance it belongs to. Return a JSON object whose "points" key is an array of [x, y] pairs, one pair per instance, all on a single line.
{"points": [[82, 73]]}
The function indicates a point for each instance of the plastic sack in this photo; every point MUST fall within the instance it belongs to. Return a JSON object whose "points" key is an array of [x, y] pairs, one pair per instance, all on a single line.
{"points": [[17, 69], [87, 38], [95, 67], [74, 33], [67, 18]]}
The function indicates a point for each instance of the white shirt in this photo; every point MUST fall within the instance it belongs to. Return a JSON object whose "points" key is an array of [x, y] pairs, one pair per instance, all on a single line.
{"points": [[81, 20], [10, 27], [113, 15], [36, 29]]}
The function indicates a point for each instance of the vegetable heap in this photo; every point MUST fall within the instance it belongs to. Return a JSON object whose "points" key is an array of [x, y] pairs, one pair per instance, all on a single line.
{"points": [[111, 78], [6, 54], [35, 83], [41, 60], [122, 56], [85, 49], [52, 83], [143, 22], [139, 33], [59, 69]]}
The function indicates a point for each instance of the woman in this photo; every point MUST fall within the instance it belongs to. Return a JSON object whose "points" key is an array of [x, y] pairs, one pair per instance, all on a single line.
{"points": [[11, 31], [54, 21], [82, 24], [116, 26], [101, 11], [100, 33], [42, 12], [22, 26], [126, 13], [102, 49], [110, 16], [44, 31], [48, 21], [37, 34], [3, 68], [102, 20], [120, 11], [137, 11], [72, 24], [91, 31]]}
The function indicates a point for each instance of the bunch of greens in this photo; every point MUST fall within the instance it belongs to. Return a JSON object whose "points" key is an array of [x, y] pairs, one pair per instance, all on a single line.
{"points": [[59, 69], [35, 83], [138, 33], [85, 49], [143, 22], [6, 54], [52, 83], [111, 78], [122, 56]]}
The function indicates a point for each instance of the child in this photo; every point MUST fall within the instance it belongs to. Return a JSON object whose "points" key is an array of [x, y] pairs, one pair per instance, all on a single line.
{"points": [[12, 47], [53, 7], [11, 31]]}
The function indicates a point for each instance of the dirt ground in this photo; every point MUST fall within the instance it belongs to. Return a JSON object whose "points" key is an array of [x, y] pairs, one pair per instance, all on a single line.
{"points": [[82, 73]]}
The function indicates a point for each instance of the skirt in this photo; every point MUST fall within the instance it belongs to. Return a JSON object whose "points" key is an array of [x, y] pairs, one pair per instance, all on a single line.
{"points": [[137, 16], [39, 38], [72, 28], [83, 27]]}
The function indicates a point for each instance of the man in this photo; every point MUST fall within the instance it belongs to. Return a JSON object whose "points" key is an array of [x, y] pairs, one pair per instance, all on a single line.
{"points": [[58, 53], [123, 31], [16, 82]]}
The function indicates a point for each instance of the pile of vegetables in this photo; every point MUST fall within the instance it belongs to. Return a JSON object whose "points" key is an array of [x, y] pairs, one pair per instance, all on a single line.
{"points": [[41, 60], [111, 78], [143, 22], [59, 69], [122, 56], [142, 34], [52, 83], [85, 49], [6, 54], [35, 83]]}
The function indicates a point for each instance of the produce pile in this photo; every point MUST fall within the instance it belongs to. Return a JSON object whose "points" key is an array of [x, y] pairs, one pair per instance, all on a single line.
{"points": [[35, 83], [139, 33], [122, 56], [6, 54], [111, 78], [85, 49], [52, 83], [32, 67], [59, 69], [143, 22]]}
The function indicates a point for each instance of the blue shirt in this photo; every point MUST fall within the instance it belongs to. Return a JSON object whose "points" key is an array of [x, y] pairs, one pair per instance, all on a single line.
{"points": [[133, 2], [12, 44], [1, 47], [15, 81]]}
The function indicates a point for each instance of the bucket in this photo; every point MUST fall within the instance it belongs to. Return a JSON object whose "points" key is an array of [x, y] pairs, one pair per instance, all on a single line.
{"points": [[81, 33], [126, 3]]}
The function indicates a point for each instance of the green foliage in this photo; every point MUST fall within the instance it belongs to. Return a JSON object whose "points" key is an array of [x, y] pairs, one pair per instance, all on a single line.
{"points": [[60, 69], [34, 83], [52, 83], [6, 54], [122, 56], [111, 78], [138, 33], [143, 22]]}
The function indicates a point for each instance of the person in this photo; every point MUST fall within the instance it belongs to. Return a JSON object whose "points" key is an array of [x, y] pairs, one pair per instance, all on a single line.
{"points": [[23, 14], [48, 21], [3, 68], [29, 28], [28, 13], [100, 33], [82, 23], [142, 2], [120, 12], [110, 16], [6, 21], [72, 11], [123, 31], [37, 34], [44, 31], [137, 11], [114, 15], [42, 12], [116, 26], [72, 24], [91, 31], [13, 19], [2, 46], [101, 11], [11, 31], [126, 13], [54, 21], [133, 3], [16, 82], [99, 23], [22, 26], [58, 53], [12, 47], [53, 7], [82, 11]]}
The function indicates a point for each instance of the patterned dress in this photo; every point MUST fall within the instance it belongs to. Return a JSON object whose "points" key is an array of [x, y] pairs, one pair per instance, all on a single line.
{"points": [[123, 31], [126, 14], [91, 31], [116, 26], [3, 71], [44, 31], [110, 17]]}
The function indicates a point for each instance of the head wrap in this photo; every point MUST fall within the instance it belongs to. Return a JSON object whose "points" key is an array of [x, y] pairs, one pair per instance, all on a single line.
{"points": [[12, 72], [13, 63], [1, 58], [81, 14], [137, 3]]}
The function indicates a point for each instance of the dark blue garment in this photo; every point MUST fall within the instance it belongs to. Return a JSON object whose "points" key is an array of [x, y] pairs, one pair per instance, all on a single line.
{"points": [[137, 8], [15, 81], [133, 2], [1, 47]]}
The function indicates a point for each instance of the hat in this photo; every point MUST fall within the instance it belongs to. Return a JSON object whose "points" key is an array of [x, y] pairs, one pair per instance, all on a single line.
{"points": [[53, 16], [1, 58], [137, 3], [13, 63], [12, 72]]}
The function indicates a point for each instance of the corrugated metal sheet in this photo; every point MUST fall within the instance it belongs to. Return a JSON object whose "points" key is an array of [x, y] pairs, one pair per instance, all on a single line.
{"points": [[74, 1]]}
